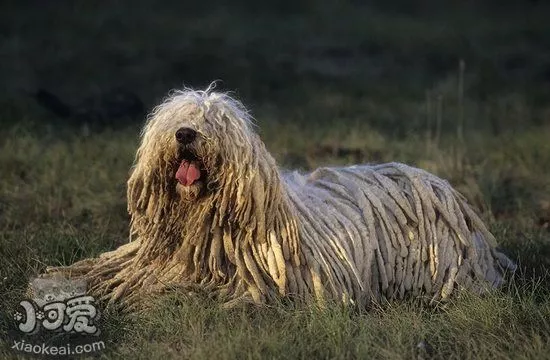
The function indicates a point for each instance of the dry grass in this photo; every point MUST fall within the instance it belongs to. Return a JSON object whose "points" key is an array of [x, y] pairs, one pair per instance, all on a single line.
{"points": [[69, 206]]}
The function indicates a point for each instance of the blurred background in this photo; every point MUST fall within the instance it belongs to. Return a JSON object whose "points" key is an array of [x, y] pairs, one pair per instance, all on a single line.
{"points": [[459, 88], [392, 64]]}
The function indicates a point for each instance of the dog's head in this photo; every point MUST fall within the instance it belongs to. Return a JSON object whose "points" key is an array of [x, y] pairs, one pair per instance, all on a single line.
{"points": [[194, 145]]}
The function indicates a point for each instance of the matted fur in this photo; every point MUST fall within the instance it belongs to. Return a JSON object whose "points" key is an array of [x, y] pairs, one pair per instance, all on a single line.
{"points": [[249, 231]]}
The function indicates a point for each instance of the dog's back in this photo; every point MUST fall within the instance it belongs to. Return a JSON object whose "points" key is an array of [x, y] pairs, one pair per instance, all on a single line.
{"points": [[394, 230]]}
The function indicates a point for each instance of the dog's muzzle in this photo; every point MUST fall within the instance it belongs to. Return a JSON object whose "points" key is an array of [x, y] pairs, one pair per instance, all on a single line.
{"points": [[189, 170]]}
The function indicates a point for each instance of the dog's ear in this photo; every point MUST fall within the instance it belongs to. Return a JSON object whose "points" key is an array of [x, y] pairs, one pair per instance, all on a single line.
{"points": [[250, 192], [146, 191]]}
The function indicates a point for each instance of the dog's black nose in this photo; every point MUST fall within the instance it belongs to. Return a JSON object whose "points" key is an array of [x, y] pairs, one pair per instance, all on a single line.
{"points": [[185, 135]]}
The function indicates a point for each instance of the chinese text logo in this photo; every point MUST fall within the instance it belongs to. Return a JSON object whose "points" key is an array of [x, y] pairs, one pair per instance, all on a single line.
{"points": [[59, 305]]}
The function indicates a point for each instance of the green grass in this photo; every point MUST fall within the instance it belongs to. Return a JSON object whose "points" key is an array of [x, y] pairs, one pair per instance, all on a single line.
{"points": [[328, 84], [70, 205]]}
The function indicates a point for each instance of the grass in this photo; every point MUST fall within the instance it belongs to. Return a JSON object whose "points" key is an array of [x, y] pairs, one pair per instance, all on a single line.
{"points": [[382, 84]]}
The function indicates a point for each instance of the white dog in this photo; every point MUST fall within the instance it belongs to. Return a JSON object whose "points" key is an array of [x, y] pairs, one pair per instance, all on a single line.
{"points": [[211, 210]]}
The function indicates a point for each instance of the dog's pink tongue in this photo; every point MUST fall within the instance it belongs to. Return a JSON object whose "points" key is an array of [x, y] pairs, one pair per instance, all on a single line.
{"points": [[188, 173]]}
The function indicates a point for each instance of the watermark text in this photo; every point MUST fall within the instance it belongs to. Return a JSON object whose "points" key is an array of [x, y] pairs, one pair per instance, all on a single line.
{"points": [[57, 350]]}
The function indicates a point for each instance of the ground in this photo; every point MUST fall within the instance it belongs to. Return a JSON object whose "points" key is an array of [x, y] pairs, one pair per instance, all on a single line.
{"points": [[460, 90]]}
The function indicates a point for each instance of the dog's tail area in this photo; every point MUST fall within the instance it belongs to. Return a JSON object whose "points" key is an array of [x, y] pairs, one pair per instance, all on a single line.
{"points": [[498, 265]]}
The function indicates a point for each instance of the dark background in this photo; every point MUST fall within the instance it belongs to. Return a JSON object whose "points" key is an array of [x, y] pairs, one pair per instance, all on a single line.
{"points": [[105, 64]]}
